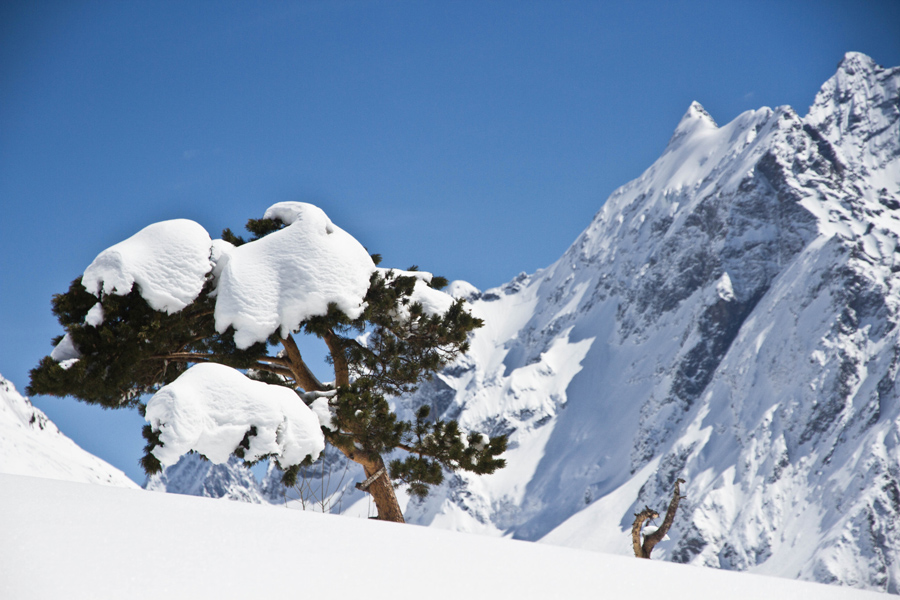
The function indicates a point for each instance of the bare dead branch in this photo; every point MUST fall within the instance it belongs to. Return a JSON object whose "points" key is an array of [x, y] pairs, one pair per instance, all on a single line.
{"points": [[650, 541]]}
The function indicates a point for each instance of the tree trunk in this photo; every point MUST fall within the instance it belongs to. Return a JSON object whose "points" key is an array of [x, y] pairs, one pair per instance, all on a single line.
{"points": [[378, 482], [382, 491], [381, 488]]}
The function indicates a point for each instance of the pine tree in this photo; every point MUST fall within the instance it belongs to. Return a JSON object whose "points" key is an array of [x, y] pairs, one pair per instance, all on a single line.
{"points": [[384, 351]]}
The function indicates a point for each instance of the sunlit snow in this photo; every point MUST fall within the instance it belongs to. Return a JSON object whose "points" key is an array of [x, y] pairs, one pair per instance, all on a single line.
{"points": [[65, 352], [433, 302], [210, 407], [66, 540], [167, 260], [274, 283]]}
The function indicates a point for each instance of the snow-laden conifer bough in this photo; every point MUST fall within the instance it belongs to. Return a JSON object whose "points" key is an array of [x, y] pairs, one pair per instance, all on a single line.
{"points": [[206, 326]]}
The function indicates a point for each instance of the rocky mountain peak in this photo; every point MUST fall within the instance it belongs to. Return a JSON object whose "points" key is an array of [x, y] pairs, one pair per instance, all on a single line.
{"points": [[858, 111], [696, 120], [728, 318], [857, 62]]}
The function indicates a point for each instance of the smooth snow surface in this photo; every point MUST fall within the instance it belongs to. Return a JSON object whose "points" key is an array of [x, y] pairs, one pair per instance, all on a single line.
{"points": [[167, 260], [274, 283], [210, 407], [65, 540], [30, 444]]}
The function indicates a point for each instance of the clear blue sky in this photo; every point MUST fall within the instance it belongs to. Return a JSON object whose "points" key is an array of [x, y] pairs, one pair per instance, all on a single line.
{"points": [[475, 139]]}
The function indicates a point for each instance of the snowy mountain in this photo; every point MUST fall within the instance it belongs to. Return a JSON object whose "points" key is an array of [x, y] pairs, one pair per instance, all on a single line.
{"points": [[194, 476], [729, 318], [30, 444]]}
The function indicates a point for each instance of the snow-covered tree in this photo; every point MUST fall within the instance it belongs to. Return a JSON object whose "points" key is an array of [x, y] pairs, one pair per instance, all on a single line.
{"points": [[207, 327]]}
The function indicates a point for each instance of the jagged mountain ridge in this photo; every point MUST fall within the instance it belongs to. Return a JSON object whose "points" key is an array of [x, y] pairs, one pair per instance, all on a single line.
{"points": [[729, 317]]}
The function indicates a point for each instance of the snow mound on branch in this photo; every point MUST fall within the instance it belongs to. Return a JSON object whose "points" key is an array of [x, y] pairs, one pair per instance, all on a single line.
{"points": [[210, 408], [65, 352], [323, 413], [168, 260], [434, 302], [291, 212], [30, 444], [288, 276], [95, 316], [219, 254]]}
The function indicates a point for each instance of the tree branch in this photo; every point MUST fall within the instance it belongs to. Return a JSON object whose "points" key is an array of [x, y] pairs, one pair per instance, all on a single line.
{"points": [[276, 360], [639, 518], [188, 357], [654, 538], [302, 374], [341, 368], [195, 357]]}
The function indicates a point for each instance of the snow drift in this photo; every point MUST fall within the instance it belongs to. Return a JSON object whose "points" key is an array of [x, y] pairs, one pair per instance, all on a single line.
{"points": [[65, 540]]}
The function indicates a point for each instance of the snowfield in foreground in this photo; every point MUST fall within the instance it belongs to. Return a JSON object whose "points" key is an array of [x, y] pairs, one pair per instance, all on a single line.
{"points": [[71, 540]]}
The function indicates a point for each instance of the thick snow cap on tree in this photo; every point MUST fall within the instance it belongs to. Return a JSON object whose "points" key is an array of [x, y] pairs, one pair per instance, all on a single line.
{"points": [[168, 260], [210, 408], [278, 281]]}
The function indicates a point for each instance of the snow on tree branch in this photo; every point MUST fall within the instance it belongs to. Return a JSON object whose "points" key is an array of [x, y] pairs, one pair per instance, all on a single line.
{"points": [[280, 280], [433, 302], [65, 352], [168, 260], [211, 407]]}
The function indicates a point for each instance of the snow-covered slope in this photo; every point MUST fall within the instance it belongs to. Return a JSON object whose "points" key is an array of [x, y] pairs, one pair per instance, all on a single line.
{"points": [[730, 317], [65, 540], [30, 444]]}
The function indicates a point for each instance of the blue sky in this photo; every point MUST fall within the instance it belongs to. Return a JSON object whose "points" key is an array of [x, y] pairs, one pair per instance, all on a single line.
{"points": [[475, 139]]}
